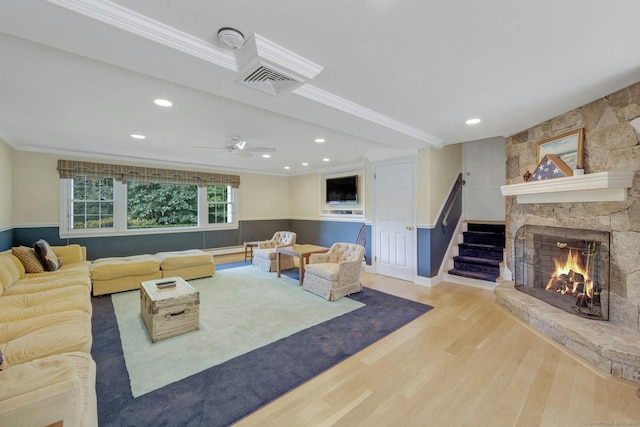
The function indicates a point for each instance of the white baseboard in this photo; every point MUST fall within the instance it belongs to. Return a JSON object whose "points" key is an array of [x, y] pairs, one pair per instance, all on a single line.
{"points": [[226, 251]]}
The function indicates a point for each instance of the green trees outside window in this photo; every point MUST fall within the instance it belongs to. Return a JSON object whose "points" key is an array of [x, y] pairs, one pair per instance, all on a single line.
{"points": [[93, 204], [161, 205]]}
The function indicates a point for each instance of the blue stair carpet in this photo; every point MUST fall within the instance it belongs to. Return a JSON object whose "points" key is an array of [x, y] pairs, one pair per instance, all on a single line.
{"points": [[481, 252]]}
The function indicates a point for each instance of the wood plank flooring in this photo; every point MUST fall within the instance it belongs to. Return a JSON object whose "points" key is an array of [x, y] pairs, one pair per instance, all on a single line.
{"points": [[467, 362]]}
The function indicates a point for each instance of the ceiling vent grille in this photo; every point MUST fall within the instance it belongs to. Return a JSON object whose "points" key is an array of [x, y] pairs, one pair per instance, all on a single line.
{"points": [[269, 80], [272, 69]]}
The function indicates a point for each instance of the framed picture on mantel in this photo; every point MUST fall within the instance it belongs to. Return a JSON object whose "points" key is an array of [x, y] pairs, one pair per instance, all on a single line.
{"points": [[568, 147]]}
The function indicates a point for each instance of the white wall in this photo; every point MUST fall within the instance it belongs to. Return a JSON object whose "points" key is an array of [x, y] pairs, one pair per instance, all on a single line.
{"points": [[37, 190], [6, 186], [437, 172], [304, 193]]}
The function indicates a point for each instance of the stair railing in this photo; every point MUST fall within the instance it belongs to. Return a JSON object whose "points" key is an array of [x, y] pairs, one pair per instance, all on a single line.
{"points": [[452, 200]]}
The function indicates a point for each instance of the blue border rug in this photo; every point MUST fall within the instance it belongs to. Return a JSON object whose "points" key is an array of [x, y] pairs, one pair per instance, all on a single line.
{"points": [[223, 394]]}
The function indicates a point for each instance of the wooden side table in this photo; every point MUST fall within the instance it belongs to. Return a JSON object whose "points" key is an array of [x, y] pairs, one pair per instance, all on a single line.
{"points": [[248, 250]]}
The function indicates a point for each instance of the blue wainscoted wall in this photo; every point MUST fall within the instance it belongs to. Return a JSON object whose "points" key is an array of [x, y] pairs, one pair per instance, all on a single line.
{"points": [[6, 239], [323, 233], [111, 246], [433, 242], [326, 233]]}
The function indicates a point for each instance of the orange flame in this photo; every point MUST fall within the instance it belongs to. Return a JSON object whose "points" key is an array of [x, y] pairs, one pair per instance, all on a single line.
{"points": [[574, 264]]}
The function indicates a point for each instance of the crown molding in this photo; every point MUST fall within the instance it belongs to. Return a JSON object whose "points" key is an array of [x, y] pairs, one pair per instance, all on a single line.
{"points": [[136, 23], [315, 94]]}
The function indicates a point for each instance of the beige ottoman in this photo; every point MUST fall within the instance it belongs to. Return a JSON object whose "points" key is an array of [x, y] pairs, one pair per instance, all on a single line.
{"points": [[118, 274], [189, 264]]}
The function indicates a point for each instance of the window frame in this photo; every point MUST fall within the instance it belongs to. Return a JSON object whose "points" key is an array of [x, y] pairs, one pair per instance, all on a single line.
{"points": [[120, 215]]}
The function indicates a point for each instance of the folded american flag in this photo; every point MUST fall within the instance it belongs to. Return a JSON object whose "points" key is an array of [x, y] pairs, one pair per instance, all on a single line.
{"points": [[550, 167]]}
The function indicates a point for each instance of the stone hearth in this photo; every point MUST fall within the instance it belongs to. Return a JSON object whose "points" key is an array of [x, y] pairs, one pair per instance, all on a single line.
{"points": [[609, 347], [611, 144]]}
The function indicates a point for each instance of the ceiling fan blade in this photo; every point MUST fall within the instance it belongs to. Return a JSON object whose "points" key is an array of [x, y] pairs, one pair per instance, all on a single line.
{"points": [[261, 149]]}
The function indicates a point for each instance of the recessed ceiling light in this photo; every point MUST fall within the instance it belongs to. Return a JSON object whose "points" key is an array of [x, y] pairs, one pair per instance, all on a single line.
{"points": [[287, 167], [305, 164], [473, 121], [326, 159], [319, 140], [137, 136], [266, 156], [163, 102]]}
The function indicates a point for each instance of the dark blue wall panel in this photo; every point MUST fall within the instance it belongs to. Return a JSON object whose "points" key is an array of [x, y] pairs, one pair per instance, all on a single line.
{"points": [[323, 233], [6, 239], [433, 243], [27, 236], [424, 252], [251, 231], [326, 233]]}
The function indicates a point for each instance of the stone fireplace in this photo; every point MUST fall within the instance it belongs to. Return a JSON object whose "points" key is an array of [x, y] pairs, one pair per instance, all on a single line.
{"points": [[602, 235], [567, 268]]}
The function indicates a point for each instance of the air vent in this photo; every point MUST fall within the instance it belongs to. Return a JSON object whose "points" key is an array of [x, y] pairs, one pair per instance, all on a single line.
{"points": [[272, 69], [269, 80]]}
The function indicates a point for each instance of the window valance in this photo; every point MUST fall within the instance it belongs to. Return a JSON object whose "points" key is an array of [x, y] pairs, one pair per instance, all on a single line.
{"points": [[70, 169]]}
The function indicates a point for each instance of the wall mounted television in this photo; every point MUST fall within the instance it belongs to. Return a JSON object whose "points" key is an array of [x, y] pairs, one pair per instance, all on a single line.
{"points": [[342, 190]]}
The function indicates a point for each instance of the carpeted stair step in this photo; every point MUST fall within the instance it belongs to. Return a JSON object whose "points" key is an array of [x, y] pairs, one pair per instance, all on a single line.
{"points": [[484, 238], [474, 275], [483, 265], [487, 228], [480, 251]]}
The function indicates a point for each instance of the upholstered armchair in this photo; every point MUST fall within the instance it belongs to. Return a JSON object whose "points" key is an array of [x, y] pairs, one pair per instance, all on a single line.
{"points": [[264, 256], [336, 273]]}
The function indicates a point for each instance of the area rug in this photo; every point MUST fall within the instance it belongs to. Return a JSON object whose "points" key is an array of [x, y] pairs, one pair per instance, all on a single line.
{"points": [[223, 394], [241, 309]]}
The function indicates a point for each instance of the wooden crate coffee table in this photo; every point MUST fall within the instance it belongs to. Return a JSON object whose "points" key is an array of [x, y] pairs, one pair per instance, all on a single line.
{"points": [[168, 310]]}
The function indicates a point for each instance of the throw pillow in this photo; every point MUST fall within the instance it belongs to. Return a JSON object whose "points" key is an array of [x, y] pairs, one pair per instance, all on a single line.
{"points": [[47, 257], [28, 258]]}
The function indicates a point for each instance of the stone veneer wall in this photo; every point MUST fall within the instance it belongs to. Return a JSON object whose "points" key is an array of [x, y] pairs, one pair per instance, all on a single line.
{"points": [[612, 143]]}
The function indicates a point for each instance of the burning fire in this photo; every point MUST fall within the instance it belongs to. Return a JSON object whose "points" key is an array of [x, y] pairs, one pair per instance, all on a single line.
{"points": [[570, 276]]}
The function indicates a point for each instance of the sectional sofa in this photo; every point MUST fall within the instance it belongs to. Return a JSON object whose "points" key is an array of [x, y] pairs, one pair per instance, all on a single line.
{"points": [[45, 340]]}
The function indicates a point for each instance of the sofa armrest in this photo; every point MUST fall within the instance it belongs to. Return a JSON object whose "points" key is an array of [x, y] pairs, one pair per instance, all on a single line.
{"points": [[349, 271], [50, 390]]}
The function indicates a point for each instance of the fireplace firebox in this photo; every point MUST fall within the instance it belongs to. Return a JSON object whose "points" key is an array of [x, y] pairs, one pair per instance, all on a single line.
{"points": [[567, 268]]}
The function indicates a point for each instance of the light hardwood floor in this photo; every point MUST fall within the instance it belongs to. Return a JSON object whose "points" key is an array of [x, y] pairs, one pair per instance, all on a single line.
{"points": [[467, 362]]}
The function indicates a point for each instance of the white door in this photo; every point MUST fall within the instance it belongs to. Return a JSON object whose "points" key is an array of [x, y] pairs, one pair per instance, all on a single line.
{"points": [[485, 172], [394, 220]]}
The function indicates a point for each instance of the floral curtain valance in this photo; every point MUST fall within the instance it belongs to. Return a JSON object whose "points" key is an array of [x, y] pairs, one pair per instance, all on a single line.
{"points": [[71, 169]]}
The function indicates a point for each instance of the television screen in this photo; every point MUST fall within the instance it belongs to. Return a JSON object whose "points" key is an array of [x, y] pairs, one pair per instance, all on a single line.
{"points": [[342, 190]]}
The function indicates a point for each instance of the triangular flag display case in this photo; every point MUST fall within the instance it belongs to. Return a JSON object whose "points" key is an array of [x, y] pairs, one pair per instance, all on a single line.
{"points": [[550, 167]]}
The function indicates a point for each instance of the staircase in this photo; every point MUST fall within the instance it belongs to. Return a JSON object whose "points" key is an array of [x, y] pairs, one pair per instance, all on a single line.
{"points": [[480, 254]]}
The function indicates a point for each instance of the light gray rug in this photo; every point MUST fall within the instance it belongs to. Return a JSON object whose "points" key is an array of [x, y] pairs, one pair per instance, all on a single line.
{"points": [[241, 309]]}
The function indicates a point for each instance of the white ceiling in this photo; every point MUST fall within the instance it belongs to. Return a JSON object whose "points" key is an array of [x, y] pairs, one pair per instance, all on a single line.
{"points": [[78, 77]]}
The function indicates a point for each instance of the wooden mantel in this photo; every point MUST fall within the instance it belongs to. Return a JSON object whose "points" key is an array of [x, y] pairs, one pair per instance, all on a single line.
{"points": [[593, 187]]}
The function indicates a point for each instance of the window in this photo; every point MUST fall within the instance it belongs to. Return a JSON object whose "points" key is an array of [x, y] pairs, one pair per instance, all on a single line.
{"points": [[220, 204], [100, 206], [91, 203]]}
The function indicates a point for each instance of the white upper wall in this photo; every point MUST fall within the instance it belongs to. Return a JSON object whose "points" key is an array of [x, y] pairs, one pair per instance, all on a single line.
{"points": [[6, 186], [437, 172], [37, 191]]}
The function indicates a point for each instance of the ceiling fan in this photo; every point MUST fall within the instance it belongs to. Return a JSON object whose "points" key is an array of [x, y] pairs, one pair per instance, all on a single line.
{"points": [[238, 146]]}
